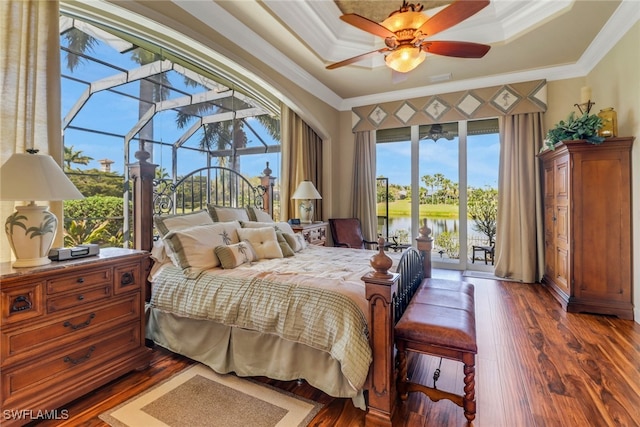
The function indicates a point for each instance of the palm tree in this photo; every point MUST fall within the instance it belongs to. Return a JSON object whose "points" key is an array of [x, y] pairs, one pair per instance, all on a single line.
{"points": [[430, 182], [152, 89], [216, 136], [79, 43], [223, 135], [449, 191], [75, 157], [438, 181]]}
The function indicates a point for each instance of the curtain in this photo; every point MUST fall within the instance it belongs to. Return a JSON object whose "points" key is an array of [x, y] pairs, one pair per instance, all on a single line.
{"points": [[301, 158], [30, 77], [364, 183], [519, 238]]}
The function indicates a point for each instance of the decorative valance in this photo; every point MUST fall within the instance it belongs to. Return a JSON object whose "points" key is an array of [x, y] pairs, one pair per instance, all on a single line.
{"points": [[518, 98]]}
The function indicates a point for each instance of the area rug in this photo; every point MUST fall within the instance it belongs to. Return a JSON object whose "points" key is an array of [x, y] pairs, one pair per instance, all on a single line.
{"points": [[198, 396]]}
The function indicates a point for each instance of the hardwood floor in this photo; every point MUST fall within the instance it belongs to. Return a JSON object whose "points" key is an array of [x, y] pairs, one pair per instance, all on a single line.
{"points": [[536, 366]]}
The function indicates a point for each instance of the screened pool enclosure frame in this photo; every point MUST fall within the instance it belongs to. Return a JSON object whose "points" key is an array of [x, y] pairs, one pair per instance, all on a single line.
{"points": [[218, 103]]}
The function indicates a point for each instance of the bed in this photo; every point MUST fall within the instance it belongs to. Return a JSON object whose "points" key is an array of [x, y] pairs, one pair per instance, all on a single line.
{"points": [[268, 304]]}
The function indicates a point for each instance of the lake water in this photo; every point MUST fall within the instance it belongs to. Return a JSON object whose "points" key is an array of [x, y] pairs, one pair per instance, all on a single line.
{"points": [[401, 226]]}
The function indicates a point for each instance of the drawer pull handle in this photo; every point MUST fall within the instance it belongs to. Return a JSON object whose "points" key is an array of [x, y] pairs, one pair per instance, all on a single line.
{"points": [[69, 359], [68, 324], [80, 297], [80, 280], [20, 303], [127, 278]]}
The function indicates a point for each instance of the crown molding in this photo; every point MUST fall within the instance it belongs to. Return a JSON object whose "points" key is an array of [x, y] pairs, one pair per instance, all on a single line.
{"points": [[225, 23]]}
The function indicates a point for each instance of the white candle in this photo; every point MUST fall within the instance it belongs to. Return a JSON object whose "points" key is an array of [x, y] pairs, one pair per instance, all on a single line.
{"points": [[585, 94]]}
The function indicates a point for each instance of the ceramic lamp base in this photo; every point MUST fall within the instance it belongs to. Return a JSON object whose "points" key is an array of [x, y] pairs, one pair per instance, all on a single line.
{"points": [[306, 212], [31, 230]]}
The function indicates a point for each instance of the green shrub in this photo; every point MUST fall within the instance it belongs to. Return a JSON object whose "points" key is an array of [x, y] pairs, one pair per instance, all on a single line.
{"points": [[95, 219], [449, 242]]}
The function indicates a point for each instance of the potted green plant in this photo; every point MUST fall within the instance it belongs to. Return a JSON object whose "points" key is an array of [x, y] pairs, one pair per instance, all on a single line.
{"points": [[583, 127]]}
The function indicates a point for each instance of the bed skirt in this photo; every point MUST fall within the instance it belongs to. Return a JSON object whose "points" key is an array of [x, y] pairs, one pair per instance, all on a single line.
{"points": [[227, 349]]}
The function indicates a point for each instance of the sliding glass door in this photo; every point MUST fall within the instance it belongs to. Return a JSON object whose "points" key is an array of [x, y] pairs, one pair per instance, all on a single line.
{"points": [[439, 180], [446, 173]]}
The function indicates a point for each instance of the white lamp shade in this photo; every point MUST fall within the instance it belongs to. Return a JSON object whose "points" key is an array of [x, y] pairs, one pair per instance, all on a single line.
{"points": [[35, 177], [32, 228], [307, 191]]}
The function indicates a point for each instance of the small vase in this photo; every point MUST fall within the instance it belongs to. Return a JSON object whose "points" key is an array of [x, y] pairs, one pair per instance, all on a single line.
{"points": [[609, 123]]}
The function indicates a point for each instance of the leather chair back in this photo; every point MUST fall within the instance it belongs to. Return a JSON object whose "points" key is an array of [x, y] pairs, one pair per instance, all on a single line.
{"points": [[347, 232]]}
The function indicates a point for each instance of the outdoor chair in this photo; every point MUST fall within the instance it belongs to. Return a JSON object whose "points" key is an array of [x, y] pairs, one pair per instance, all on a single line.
{"points": [[488, 251]]}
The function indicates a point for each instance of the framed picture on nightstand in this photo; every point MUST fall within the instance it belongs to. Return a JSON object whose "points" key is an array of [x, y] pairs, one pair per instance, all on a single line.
{"points": [[294, 221]]}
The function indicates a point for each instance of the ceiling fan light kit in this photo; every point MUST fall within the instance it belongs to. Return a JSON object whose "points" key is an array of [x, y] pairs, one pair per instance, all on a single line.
{"points": [[406, 30], [408, 16], [405, 58]]}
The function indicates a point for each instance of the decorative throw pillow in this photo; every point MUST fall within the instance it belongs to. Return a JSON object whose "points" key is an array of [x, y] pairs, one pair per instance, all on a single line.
{"points": [[193, 249], [296, 241], [258, 215], [263, 240], [279, 226], [237, 254], [287, 251], [224, 214], [165, 224]]}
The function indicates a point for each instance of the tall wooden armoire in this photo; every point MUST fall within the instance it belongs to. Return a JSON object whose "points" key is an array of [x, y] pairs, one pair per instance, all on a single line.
{"points": [[587, 226]]}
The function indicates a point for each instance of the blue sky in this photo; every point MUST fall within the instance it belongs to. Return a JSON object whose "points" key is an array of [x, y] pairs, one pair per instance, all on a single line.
{"points": [[116, 114], [111, 114], [394, 160]]}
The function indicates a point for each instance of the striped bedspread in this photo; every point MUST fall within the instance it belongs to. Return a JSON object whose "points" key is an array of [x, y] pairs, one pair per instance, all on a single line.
{"points": [[315, 298]]}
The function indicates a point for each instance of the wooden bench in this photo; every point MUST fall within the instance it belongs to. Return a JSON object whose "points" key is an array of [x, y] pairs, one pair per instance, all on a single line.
{"points": [[440, 321]]}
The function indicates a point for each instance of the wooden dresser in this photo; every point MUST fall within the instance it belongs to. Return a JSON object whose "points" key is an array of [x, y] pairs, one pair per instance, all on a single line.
{"points": [[314, 233], [587, 226], [67, 328]]}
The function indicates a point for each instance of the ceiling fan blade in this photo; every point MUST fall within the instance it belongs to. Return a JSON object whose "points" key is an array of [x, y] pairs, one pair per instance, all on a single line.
{"points": [[355, 59], [451, 15], [367, 25], [456, 49]]}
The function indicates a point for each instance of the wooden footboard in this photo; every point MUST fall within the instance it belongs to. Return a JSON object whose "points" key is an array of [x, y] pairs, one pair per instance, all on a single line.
{"points": [[388, 295]]}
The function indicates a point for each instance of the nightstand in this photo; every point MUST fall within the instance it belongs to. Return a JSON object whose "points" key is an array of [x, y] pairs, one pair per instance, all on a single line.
{"points": [[69, 327], [314, 233]]}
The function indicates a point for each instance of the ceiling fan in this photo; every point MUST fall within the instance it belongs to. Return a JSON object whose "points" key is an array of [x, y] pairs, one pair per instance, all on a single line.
{"points": [[406, 30]]}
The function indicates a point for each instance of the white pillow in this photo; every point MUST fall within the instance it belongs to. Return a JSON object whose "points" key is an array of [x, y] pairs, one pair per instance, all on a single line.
{"points": [[193, 249], [296, 241], [263, 240], [259, 215], [158, 252], [165, 224], [224, 214], [279, 226]]}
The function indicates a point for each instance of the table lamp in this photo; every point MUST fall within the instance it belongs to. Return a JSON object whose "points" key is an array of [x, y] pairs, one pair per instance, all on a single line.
{"points": [[306, 191], [32, 228]]}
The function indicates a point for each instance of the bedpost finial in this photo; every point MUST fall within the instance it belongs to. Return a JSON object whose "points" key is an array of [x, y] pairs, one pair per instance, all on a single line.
{"points": [[381, 262], [267, 171], [424, 231]]}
